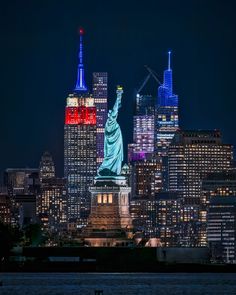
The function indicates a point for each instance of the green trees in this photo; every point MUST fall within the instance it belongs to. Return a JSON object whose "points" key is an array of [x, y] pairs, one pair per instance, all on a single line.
{"points": [[9, 237], [33, 235]]}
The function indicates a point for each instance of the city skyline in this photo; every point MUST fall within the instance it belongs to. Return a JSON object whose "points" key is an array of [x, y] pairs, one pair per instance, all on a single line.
{"points": [[135, 102], [38, 91]]}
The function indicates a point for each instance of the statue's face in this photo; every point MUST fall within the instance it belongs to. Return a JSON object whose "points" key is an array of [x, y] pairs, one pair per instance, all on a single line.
{"points": [[109, 113]]}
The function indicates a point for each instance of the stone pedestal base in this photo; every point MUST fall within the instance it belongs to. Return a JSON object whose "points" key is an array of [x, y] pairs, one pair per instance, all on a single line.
{"points": [[109, 223]]}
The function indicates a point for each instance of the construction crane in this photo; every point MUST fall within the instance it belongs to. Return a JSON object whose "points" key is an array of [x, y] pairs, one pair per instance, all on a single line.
{"points": [[154, 74], [151, 74], [144, 83]]}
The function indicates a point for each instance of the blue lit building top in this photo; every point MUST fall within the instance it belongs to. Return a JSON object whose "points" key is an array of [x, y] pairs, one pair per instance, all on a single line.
{"points": [[165, 91], [80, 83]]}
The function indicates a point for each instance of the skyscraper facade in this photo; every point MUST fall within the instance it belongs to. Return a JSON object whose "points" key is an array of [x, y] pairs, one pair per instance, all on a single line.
{"points": [[22, 186], [145, 105], [221, 228], [52, 204], [157, 217], [79, 146], [218, 184], [46, 167], [100, 80], [5, 208], [143, 128], [192, 156], [167, 118], [51, 200], [21, 181], [146, 178], [79, 155]]}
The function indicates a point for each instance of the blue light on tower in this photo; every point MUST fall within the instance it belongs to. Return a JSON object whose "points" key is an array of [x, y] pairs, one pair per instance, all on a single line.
{"points": [[167, 119], [80, 83], [165, 91]]}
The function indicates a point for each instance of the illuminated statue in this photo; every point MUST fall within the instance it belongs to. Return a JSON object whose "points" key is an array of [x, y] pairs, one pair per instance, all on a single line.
{"points": [[113, 143]]}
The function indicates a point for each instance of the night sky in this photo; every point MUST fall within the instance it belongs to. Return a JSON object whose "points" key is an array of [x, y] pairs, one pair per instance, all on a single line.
{"points": [[39, 43]]}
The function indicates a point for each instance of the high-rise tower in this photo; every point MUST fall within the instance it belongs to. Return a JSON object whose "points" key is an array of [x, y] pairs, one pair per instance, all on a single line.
{"points": [[51, 200], [192, 155], [79, 147], [145, 167], [79, 155], [167, 121], [100, 100], [46, 167]]}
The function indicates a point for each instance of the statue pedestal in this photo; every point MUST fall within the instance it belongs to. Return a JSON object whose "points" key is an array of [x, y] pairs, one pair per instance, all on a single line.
{"points": [[109, 223]]}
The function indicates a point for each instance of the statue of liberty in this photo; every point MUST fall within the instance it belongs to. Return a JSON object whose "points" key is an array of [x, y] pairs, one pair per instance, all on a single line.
{"points": [[113, 143]]}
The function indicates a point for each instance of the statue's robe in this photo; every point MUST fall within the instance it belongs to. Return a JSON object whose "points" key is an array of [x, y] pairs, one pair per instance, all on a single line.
{"points": [[113, 145]]}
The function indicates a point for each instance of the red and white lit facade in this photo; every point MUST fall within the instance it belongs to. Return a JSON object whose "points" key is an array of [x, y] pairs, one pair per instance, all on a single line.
{"points": [[79, 154], [79, 146]]}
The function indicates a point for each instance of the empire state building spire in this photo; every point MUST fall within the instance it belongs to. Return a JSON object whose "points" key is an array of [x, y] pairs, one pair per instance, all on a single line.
{"points": [[80, 83]]}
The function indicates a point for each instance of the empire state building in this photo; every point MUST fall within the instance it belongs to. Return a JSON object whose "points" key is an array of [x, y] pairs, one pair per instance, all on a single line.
{"points": [[79, 146]]}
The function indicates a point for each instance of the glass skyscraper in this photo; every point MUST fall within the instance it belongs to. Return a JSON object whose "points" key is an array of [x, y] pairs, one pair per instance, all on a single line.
{"points": [[100, 80], [167, 120], [143, 128]]}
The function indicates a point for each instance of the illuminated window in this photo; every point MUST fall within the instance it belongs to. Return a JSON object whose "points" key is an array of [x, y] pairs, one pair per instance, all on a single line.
{"points": [[105, 198], [99, 198], [110, 198]]}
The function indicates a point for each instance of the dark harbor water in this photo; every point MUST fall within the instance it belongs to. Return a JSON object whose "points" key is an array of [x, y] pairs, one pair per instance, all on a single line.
{"points": [[112, 284]]}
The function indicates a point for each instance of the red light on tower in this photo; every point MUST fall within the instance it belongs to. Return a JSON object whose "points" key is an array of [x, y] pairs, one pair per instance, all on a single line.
{"points": [[80, 115], [81, 31], [71, 116], [87, 115]]}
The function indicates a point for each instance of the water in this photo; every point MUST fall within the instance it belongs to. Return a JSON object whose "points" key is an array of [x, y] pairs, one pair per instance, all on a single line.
{"points": [[114, 284]]}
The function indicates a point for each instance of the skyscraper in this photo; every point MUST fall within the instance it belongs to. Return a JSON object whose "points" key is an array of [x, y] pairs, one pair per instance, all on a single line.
{"points": [[157, 217], [5, 208], [100, 80], [79, 146], [52, 204], [46, 167], [192, 156], [22, 186], [79, 154], [218, 184], [145, 169], [167, 121], [21, 180], [146, 178], [143, 128], [51, 200], [221, 228]]}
